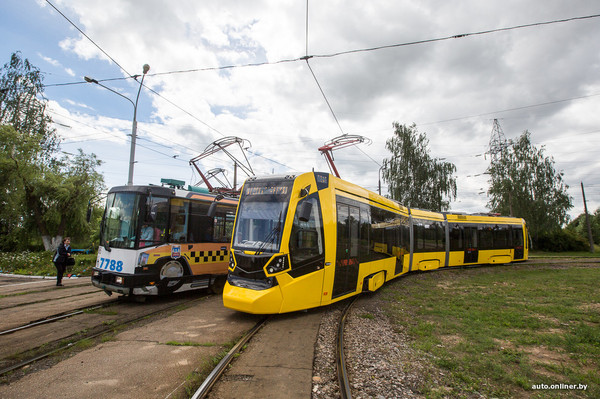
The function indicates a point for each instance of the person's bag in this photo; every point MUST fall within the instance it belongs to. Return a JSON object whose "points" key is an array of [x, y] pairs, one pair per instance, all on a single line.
{"points": [[70, 261]]}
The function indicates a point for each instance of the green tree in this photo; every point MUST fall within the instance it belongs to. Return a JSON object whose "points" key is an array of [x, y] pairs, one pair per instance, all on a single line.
{"points": [[414, 178], [23, 106], [579, 226], [42, 195], [524, 183]]}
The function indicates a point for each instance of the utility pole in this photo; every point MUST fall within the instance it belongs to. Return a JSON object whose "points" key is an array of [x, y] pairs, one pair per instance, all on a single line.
{"points": [[587, 220]]}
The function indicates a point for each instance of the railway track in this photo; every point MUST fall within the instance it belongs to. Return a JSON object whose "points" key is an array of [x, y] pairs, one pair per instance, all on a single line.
{"points": [[79, 337], [39, 320], [219, 369], [342, 372], [177, 338], [229, 377], [52, 319]]}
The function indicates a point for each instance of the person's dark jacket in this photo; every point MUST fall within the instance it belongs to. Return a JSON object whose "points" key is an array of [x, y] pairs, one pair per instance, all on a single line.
{"points": [[63, 253]]}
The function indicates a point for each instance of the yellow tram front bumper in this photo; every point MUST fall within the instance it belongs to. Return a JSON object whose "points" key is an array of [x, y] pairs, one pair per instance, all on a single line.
{"points": [[252, 301]]}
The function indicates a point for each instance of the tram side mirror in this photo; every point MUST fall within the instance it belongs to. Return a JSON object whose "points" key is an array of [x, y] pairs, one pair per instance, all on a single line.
{"points": [[304, 191], [212, 209], [304, 211]]}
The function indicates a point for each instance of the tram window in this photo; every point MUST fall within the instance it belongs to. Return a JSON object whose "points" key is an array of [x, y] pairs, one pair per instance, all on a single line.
{"points": [[200, 225], [419, 236], [517, 236], [403, 230], [306, 239], [179, 220], [223, 225], [121, 220], [353, 223], [155, 221], [365, 227], [456, 238], [470, 235], [486, 237], [388, 234], [382, 234], [429, 236], [501, 236], [377, 245]]}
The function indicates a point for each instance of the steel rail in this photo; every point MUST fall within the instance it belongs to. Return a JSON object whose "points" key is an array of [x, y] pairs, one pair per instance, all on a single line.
{"points": [[17, 305], [218, 371], [342, 373], [50, 319], [87, 337]]}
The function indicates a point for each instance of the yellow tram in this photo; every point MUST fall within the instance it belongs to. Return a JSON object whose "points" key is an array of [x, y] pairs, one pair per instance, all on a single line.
{"points": [[310, 240]]}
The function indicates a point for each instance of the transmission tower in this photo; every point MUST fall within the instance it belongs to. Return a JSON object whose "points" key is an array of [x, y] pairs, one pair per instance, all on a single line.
{"points": [[498, 142]]}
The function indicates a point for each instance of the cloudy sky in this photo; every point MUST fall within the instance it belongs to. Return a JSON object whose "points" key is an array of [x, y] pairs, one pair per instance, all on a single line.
{"points": [[544, 78]]}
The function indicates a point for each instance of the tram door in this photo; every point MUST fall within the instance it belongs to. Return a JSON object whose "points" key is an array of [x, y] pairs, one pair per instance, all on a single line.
{"points": [[518, 244], [471, 251], [346, 263]]}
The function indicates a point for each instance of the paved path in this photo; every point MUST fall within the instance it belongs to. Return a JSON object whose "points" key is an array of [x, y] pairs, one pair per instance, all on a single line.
{"points": [[139, 362]]}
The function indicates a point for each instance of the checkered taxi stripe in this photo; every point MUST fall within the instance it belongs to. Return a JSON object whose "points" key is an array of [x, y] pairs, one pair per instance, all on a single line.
{"points": [[208, 256]]}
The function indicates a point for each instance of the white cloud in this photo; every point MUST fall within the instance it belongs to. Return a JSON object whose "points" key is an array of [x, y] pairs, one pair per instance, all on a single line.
{"points": [[465, 82]]}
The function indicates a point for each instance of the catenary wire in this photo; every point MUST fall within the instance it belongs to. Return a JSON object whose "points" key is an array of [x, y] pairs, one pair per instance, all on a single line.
{"points": [[336, 54], [87, 37], [343, 53]]}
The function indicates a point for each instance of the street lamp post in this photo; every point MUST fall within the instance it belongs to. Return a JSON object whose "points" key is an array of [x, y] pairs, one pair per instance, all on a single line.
{"points": [[146, 68]]}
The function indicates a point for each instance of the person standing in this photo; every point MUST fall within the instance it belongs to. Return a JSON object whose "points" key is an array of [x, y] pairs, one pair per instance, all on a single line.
{"points": [[63, 252]]}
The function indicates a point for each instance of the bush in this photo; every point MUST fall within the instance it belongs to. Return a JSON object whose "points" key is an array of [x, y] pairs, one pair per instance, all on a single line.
{"points": [[40, 263], [561, 241]]}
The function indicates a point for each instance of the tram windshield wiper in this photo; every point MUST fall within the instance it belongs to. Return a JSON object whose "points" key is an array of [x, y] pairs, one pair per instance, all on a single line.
{"points": [[272, 237]]}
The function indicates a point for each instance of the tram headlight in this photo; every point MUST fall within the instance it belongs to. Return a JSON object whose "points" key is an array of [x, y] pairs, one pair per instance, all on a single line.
{"points": [[119, 280], [231, 261], [143, 259], [278, 264]]}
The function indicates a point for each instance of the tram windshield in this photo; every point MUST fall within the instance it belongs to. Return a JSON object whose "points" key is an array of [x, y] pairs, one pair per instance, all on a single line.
{"points": [[261, 213], [133, 220]]}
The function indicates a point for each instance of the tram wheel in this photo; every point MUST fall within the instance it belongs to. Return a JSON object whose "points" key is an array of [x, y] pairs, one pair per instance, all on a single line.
{"points": [[218, 285], [171, 276]]}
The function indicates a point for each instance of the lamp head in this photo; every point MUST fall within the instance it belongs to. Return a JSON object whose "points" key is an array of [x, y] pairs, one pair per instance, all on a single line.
{"points": [[146, 68]]}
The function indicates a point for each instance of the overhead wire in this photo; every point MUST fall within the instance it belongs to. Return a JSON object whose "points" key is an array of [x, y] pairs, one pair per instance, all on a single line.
{"points": [[324, 96], [307, 57], [87, 37], [510, 109], [149, 88], [457, 36], [354, 51]]}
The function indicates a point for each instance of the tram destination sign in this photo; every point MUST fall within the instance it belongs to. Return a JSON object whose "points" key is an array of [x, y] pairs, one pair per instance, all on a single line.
{"points": [[277, 190]]}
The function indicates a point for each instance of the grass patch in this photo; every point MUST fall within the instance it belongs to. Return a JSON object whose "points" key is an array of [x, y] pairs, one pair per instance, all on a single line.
{"points": [[501, 330], [566, 254]]}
